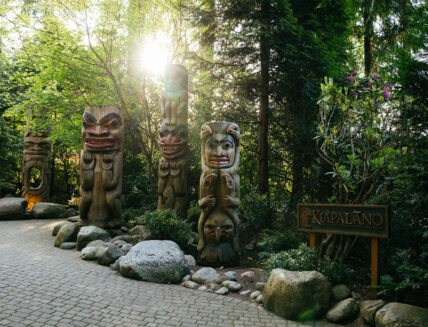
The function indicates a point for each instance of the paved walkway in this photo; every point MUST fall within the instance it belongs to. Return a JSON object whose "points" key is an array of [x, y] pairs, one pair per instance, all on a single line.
{"points": [[41, 285]]}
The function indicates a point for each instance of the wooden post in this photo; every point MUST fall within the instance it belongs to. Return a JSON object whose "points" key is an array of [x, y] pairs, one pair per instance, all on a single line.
{"points": [[374, 262], [312, 240]]}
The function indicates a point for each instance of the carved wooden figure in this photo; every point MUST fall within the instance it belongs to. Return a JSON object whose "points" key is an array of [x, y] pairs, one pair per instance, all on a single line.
{"points": [[218, 225], [101, 164], [172, 173], [36, 173]]}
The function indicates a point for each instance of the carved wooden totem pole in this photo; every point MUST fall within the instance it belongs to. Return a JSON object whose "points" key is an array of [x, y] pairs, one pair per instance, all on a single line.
{"points": [[172, 173], [218, 226], [36, 173], [101, 163]]}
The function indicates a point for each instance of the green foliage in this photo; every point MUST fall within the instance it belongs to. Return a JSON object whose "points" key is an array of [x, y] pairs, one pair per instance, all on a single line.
{"points": [[166, 225], [281, 238], [306, 259], [256, 212]]}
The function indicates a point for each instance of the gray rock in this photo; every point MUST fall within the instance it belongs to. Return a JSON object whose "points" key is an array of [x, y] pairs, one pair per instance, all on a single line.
{"points": [[369, 308], [155, 261], [212, 286], [46, 210], [230, 273], [255, 294], [260, 286], [222, 291], [291, 293], [205, 275], [259, 299], [190, 284], [248, 275], [124, 229], [71, 213], [186, 278], [356, 296], [88, 253], [231, 285], [57, 227], [12, 208], [221, 279], [340, 292], [67, 233], [203, 288], [401, 315], [68, 245], [91, 233], [116, 265], [191, 262], [118, 243], [141, 230], [126, 247], [343, 310], [74, 219], [245, 293], [109, 254], [97, 243], [125, 238]]}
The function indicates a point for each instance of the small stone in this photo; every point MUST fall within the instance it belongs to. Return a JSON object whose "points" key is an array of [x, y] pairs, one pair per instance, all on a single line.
{"points": [[203, 288], [205, 275], [343, 310], [221, 279], [68, 245], [369, 308], [57, 227], [119, 243], [245, 293], [126, 247], [73, 219], [340, 292], [231, 285], [260, 286], [97, 243], [67, 233], [88, 253], [259, 299], [116, 265], [190, 284], [187, 278], [109, 254], [212, 286], [91, 233], [230, 273], [248, 275], [255, 294], [141, 230], [222, 291], [191, 262], [126, 238], [71, 213]]}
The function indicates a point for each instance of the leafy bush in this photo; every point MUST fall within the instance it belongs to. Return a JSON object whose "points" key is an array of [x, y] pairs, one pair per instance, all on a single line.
{"points": [[306, 259], [166, 225], [280, 238]]}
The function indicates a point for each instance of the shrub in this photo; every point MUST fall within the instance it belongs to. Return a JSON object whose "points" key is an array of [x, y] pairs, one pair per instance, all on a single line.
{"points": [[306, 259], [281, 238], [166, 225]]}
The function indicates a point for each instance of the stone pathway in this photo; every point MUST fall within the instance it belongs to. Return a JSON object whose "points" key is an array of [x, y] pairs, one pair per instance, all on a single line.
{"points": [[41, 285]]}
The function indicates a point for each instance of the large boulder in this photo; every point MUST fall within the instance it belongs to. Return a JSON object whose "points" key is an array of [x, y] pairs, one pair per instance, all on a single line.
{"points": [[205, 275], [91, 233], [67, 233], [369, 308], [155, 261], [401, 315], [297, 294], [12, 208], [343, 310], [46, 210]]}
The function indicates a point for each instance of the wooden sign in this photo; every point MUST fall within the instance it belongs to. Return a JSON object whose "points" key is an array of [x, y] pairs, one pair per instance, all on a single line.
{"points": [[370, 221]]}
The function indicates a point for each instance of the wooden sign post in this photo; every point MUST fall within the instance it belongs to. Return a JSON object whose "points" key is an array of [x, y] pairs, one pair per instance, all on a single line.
{"points": [[370, 221]]}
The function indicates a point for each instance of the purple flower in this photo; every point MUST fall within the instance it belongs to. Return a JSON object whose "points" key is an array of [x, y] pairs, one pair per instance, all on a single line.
{"points": [[364, 88], [356, 93], [384, 88], [350, 77], [355, 72], [393, 143], [375, 75], [369, 85], [387, 95], [391, 87]]}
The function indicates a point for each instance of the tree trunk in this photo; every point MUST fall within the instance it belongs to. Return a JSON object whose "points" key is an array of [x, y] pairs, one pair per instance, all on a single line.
{"points": [[262, 169], [368, 34]]}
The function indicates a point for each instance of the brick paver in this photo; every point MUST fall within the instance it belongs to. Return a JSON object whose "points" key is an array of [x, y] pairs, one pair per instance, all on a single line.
{"points": [[41, 285]]}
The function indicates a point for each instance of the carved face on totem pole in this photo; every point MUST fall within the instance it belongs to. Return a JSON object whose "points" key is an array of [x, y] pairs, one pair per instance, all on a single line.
{"points": [[218, 225], [37, 152], [101, 166], [173, 141], [102, 129]]}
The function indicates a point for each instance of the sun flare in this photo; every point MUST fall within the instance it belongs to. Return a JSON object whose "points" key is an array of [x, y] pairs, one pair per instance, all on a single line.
{"points": [[156, 53]]}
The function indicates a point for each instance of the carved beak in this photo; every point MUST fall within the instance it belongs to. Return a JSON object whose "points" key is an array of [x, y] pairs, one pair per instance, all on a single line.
{"points": [[217, 234]]}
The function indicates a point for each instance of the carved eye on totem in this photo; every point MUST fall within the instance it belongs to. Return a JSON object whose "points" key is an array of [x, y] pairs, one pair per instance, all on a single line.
{"points": [[113, 123], [227, 145], [212, 145], [183, 134]]}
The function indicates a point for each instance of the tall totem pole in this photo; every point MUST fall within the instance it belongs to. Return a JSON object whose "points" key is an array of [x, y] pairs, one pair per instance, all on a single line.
{"points": [[218, 225], [172, 173], [37, 152], [101, 163]]}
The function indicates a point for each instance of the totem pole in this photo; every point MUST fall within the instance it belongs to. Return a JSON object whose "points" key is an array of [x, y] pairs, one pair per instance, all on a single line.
{"points": [[37, 152], [101, 163], [218, 226], [172, 172]]}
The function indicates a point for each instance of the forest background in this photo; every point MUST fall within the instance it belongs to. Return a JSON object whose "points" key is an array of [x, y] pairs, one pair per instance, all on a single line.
{"points": [[261, 64]]}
